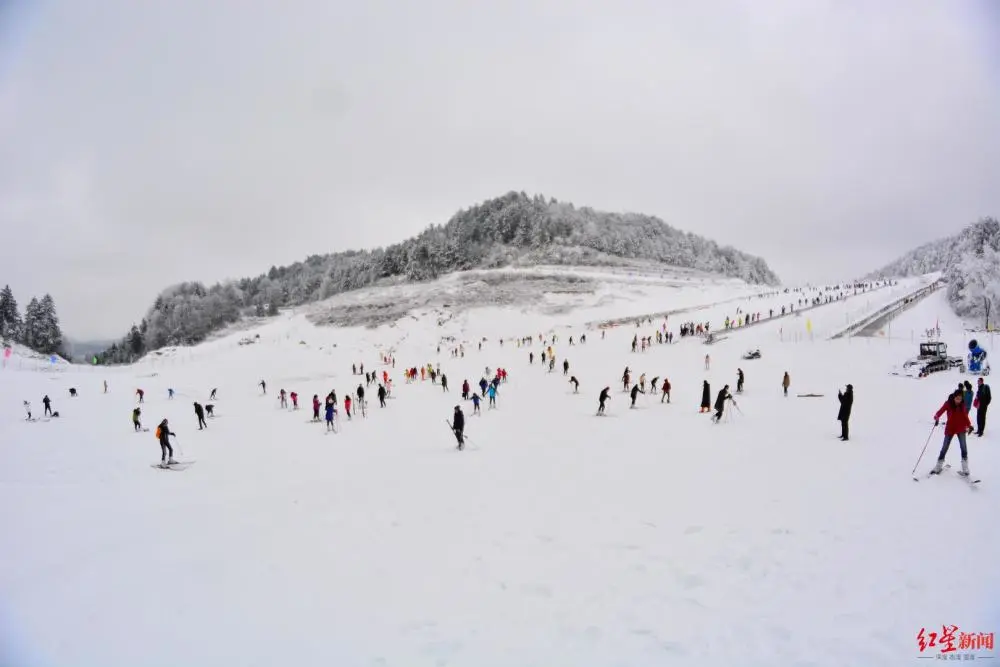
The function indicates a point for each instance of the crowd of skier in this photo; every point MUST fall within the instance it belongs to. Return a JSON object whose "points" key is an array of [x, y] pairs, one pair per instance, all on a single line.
{"points": [[956, 408]]}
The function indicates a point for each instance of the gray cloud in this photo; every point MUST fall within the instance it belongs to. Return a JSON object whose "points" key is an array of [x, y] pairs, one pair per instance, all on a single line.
{"points": [[146, 143]]}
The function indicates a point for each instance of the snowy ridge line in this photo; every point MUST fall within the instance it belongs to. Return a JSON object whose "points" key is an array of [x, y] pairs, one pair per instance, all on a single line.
{"points": [[892, 309]]}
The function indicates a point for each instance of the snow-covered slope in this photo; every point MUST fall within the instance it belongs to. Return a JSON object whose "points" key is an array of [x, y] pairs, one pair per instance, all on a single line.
{"points": [[647, 537], [18, 357], [543, 294]]}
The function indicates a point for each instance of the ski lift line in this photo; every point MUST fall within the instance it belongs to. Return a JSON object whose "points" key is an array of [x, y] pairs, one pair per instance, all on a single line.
{"points": [[897, 306], [694, 309], [885, 320], [795, 313]]}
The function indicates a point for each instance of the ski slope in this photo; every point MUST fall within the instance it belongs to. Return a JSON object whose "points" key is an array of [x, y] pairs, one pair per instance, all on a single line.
{"points": [[647, 537]]}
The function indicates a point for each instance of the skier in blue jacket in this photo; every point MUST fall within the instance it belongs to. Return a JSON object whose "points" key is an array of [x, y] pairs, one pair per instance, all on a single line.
{"points": [[968, 397], [330, 409]]}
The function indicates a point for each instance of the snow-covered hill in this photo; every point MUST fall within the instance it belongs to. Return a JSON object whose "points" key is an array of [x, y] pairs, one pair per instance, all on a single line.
{"points": [[969, 261], [512, 231], [650, 536]]}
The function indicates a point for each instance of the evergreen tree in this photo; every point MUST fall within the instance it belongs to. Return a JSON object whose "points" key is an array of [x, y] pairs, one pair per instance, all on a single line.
{"points": [[10, 318], [136, 343], [32, 324], [48, 334]]}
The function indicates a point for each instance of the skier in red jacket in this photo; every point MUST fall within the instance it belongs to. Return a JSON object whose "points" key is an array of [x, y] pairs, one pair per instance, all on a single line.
{"points": [[958, 424]]}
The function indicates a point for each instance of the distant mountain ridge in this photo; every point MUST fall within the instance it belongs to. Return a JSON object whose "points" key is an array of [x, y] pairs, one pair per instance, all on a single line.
{"points": [[969, 260], [514, 229]]}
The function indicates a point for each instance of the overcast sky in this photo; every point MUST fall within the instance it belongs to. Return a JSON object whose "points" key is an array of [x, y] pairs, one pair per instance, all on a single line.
{"points": [[146, 143]]}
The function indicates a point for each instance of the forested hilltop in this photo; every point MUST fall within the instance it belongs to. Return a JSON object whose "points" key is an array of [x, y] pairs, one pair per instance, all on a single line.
{"points": [[511, 230], [969, 260]]}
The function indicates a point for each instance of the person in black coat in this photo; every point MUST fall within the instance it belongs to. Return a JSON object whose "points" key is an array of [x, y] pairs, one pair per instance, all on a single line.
{"points": [[602, 399], [739, 380], [458, 426], [982, 402], [635, 393], [200, 413], [706, 397], [720, 403], [846, 399], [381, 395], [166, 450]]}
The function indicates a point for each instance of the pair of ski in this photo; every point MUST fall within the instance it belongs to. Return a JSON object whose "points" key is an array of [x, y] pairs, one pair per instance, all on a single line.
{"points": [[178, 466], [967, 478], [464, 438]]}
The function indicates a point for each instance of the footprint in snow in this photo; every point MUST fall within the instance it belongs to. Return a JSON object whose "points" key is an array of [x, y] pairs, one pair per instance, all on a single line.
{"points": [[537, 590]]}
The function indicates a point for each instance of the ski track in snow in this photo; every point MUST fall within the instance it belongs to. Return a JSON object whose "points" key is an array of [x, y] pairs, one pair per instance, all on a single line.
{"points": [[557, 538]]}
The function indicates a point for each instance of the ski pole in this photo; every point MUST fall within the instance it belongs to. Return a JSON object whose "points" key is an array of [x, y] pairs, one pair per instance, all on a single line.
{"points": [[919, 458], [464, 437]]}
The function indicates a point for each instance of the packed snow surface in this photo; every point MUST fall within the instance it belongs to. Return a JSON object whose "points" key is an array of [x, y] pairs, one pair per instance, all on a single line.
{"points": [[650, 536]]}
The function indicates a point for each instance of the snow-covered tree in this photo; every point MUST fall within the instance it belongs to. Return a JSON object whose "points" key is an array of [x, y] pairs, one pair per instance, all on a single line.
{"points": [[46, 333], [10, 319], [136, 342], [31, 331], [969, 262]]}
